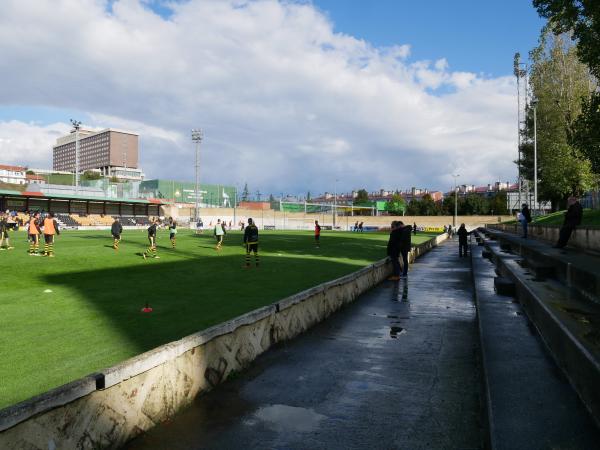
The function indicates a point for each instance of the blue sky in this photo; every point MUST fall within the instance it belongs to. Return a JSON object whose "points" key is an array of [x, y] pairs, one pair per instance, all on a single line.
{"points": [[473, 35]]}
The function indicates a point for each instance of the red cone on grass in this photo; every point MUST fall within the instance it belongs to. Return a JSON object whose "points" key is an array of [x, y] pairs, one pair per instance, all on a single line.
{"points": [[147, 308]]}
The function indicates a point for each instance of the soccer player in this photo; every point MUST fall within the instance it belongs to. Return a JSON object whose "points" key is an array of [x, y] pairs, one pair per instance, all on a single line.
{"points": [[4, 227], [219, 232], [151, 251], [116, 229], [317, 233], [50, 230], [34, 234], [251, 242], [172, 231]]}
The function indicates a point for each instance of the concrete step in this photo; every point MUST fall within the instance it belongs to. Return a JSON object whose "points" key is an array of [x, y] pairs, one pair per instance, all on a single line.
{"points": [[569, 324], [575, 269], [529, 403]]}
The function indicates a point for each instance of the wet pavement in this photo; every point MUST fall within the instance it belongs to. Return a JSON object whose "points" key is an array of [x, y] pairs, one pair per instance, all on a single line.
{"points": [[397, 369]]}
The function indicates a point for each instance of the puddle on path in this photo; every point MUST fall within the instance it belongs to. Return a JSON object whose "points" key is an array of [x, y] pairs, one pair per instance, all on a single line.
{"points": [[284, 418]]}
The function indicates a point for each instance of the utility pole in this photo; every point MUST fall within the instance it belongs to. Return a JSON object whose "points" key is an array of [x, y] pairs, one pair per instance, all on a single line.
{"points": [[520, 74], [197, 139]]}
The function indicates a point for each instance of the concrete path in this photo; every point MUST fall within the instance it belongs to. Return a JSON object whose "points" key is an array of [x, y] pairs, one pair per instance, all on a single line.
{"points": [[395, 370]]}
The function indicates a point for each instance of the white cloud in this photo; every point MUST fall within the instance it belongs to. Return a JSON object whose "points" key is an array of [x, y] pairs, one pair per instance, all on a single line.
{"points": [[286, 103]]}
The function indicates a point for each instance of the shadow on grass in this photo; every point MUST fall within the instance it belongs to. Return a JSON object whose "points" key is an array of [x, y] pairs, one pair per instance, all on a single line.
{"points": [[187, 296]]}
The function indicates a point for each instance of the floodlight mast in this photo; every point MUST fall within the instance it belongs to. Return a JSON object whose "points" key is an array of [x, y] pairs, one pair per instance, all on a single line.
{"points": [[197, 136], [76, 125]]}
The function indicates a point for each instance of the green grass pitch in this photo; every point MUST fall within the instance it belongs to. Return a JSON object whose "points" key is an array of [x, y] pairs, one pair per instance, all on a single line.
{"points": [[69, 316]]}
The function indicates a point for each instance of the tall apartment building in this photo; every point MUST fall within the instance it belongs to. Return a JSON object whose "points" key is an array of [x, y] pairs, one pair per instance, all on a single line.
{"points": [[113, 152]]}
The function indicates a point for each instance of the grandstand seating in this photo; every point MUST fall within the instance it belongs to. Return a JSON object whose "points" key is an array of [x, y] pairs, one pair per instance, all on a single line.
{"points": [[67, 220]]}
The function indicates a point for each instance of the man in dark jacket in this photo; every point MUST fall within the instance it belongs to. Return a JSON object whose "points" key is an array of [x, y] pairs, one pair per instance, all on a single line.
{"points": [[462, 240], [116, 229], [393, 250], [573, 218], [525, 218], [405, 245]]}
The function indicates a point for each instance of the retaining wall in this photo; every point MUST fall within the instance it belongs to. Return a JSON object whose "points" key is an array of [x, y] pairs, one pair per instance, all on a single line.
{"points": [[106, 409], [583, 238]]}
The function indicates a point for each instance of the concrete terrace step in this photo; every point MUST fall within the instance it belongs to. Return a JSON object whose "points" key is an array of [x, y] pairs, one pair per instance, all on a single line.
{"points": [[573, 268], [530, 405], [568, 323]]}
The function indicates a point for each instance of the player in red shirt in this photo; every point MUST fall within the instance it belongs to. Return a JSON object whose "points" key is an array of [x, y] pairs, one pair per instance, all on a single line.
{"points": [[317, 233]]}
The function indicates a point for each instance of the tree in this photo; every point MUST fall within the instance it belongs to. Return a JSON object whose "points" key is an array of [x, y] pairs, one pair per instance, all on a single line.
{"points": [[586, 131], [427, 206], [89, 175], [497, 204], [30, 172], [114, 179], [559, 81], [413, 208], [245, 193], [396, 206], [362, 196]]}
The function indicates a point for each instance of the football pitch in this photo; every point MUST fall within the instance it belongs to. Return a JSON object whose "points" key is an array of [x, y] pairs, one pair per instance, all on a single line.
{"points": [[65, 317]]}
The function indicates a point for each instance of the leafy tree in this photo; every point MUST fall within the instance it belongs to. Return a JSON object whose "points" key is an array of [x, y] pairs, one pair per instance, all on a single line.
{"points": [[559, 81], [362, 196], [89, 175], [413, 208], [497, 204], [30, 172], [427, 206], [245, 193], [114, 179], [396, 206], [586, 132]]}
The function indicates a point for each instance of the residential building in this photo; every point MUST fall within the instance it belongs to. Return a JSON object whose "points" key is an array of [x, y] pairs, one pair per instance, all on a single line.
{"points": [[13, 174]]}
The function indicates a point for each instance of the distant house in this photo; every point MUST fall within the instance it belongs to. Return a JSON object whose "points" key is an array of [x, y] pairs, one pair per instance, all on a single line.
{"points": [[37, 179], [13, 174]]}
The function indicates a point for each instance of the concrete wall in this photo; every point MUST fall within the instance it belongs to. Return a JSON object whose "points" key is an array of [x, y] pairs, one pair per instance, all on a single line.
{"points": [[582, 238], [106, 409]]}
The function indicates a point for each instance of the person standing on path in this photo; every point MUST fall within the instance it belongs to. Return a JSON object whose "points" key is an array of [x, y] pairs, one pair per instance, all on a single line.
{"points": [[415, 228], [219, 232], [251, 242], [317, 234], [405, 245], [572, 220], [116, 229], [462, 240], [393, 250], [525, 219]]}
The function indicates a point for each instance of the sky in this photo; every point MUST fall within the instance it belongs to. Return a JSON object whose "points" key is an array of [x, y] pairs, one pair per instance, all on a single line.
{"points": [[292, 96]]}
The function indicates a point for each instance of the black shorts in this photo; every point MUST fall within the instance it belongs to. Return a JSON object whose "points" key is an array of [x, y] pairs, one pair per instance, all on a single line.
{"points": [[4, 235], [252, 248], [49, 238], [117, 237], [172, 236], [317, 236], [34, 237]]}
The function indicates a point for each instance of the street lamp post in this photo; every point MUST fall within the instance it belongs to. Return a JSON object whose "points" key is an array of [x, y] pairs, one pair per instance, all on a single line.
{"points": [[534, 103], [76, 124], [335, 202], [197, 139], [455, 175]]}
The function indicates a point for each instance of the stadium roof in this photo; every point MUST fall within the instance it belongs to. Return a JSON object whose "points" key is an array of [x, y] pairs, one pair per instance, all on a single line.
{"points": [[152, 201]]}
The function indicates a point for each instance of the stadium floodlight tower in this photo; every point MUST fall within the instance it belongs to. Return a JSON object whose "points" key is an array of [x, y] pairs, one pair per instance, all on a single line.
{"points": [[197, 139], [76, 125]]}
